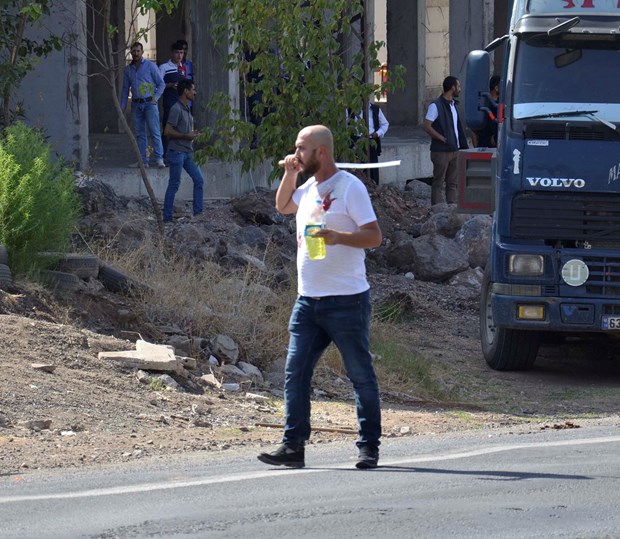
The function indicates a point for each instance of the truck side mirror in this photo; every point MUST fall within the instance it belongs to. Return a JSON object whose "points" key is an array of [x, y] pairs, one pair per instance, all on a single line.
{"points": [[478, 69]]}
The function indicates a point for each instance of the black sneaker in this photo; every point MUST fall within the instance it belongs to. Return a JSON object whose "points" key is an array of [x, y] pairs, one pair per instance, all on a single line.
{"points": [[368, 458], [284, 456]]}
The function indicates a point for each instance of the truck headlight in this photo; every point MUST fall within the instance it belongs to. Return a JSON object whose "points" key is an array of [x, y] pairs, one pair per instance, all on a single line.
{"points": [[530, 265]]}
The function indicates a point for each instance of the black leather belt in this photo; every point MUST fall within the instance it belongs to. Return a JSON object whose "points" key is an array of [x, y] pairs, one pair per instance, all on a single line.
{"points": [[148, 100]]}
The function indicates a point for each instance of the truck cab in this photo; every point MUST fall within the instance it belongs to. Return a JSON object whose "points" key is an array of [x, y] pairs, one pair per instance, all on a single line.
{"points": [[553, 184]]}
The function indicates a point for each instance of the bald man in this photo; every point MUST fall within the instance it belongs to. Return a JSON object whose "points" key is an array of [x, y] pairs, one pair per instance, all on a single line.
{"points": [[333, 304]]}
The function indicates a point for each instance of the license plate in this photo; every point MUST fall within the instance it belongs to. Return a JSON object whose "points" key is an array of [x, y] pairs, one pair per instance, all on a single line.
{"points": [[611, 322]]}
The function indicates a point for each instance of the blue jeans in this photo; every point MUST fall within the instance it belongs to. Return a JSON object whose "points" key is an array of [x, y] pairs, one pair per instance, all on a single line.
{"points": [[314, 324], [146, 116], [177, 161]]}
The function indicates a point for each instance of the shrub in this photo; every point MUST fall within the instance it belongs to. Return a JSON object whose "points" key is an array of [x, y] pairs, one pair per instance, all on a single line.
{"points": [[39, 205]]}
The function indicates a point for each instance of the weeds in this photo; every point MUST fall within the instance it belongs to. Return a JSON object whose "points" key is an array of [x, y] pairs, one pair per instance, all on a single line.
{"points": [[206, 299], [38, 202], [251, 308]]}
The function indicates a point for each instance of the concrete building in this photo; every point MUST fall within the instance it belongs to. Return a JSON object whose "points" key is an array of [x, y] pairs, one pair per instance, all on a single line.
{"points": [[429, 37]]}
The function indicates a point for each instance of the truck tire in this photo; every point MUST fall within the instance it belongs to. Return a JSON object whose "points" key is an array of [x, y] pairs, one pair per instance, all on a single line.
{"points": [[4, 255], [504, 349]]}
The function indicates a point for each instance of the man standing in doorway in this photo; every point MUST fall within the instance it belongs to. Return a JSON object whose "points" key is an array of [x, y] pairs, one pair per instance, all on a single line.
{"points": [[443, 124], [180, 130], [171, 73], [334, 299], [147, 86]]}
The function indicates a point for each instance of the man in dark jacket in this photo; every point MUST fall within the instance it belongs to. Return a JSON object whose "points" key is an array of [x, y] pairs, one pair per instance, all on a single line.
{"points": [[444, 126]]}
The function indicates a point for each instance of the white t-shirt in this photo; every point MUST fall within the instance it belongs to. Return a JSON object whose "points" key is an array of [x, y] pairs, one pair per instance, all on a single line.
{"points": [[432, 114], [342, 272]]}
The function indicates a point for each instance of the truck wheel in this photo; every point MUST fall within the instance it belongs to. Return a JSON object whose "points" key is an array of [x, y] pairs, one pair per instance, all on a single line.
{"points": [[504, 349]]}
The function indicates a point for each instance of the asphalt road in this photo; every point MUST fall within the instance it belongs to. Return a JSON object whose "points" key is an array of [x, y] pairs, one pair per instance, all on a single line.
{"points": [[551, 483]]}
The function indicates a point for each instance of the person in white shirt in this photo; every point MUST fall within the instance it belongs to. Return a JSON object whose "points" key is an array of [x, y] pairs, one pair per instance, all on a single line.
{"points": [[377, 128], [334, 300]]}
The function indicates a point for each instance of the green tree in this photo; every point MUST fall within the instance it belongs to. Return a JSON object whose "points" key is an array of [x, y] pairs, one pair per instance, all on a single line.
{"points": [[20, 53], [290, 58]]}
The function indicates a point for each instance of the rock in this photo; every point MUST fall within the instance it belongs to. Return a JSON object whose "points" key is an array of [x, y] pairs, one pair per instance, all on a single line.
{"points": [[181, 344], [258, 209], [168, 381], [45, 367], [257, 398], [431, 258], [143, 377], [421, 190], [4, 421], [468, 283], [252, 236], [210, 380], [253, 372], [232, 373], [447, 223], [225, 348], [474, 238], [255, 262], [36, 424]]}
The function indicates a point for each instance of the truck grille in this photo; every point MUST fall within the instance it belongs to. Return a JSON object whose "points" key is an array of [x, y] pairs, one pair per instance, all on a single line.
{"points": [[604, 278], [586, 220], [568, 131]]}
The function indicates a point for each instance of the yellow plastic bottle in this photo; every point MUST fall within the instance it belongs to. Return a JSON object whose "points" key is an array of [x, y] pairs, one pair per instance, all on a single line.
{"points": [[315, 246]]}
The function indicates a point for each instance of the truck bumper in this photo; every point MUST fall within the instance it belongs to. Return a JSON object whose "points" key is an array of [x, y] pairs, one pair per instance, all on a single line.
{"points": [[559, 314]]}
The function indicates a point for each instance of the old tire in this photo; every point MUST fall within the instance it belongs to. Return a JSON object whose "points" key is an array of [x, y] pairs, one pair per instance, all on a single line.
{"points": [[84, 266], [59, 281], [4, 255], [116, 281], [504, 349], [6, 279]]}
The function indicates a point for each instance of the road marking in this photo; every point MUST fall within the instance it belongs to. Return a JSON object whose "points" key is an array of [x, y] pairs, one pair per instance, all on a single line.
{"points": [[274, 472]]}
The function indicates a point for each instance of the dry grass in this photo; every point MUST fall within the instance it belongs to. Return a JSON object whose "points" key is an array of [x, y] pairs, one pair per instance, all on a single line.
{"points": [[205, 299], [252, 309]]}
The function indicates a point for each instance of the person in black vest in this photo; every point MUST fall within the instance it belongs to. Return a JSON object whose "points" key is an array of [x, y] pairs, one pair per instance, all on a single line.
{"points": [[444, 126]]}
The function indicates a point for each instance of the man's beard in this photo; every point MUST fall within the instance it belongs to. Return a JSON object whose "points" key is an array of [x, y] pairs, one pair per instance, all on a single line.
{"points": [[312, 166]]}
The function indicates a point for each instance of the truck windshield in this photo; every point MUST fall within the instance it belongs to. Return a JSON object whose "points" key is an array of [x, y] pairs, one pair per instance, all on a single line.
{"points": [[559, 75]]}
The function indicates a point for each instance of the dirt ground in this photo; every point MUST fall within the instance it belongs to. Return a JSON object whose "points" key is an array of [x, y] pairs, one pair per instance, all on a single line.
{"points": [[89, 412]]}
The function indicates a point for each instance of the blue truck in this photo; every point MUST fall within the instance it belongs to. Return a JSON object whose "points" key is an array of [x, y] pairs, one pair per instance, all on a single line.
{"points": [[554, 189]]}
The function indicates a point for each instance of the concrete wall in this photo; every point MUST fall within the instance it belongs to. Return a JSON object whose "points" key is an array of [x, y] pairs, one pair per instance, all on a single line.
{"points": [[55, 95]]}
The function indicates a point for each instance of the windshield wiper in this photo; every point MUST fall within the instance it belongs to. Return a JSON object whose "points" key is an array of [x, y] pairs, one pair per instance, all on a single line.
{"points": [[612, 126], [559, 114]]}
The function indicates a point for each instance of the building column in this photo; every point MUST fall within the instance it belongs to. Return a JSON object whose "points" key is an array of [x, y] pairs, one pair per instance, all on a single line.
{"points": [[406, 47]]}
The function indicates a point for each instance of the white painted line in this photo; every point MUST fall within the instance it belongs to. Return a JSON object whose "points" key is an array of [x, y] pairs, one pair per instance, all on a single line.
{"points": [[275, 472], [369, 165]]}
